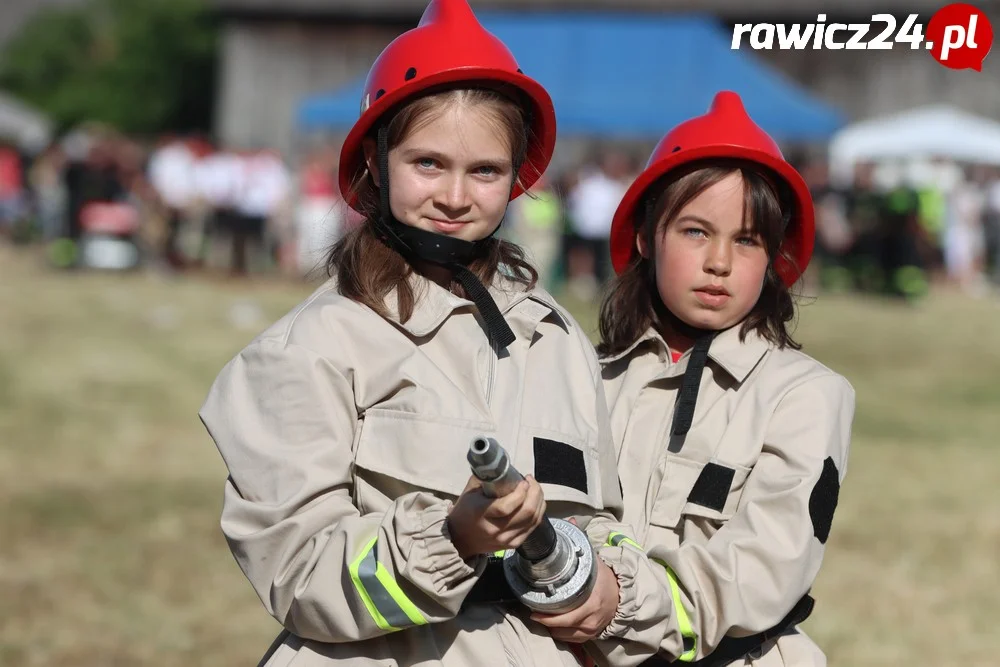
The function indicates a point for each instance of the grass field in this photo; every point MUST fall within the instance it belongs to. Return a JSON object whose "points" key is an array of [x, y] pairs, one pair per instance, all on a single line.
{"points": [[110, 552]]}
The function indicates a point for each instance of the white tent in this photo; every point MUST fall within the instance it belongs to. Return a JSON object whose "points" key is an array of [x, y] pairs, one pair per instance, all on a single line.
{"points": [[23, 125], [920, 134]]}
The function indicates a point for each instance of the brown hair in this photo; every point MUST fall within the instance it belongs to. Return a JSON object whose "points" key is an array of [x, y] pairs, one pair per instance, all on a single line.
{"points": [[367, 270], [629, 308]]}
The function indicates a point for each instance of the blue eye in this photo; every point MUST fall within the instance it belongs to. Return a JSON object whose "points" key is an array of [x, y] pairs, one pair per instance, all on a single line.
{"points": [[694, 232], [426, 163]]}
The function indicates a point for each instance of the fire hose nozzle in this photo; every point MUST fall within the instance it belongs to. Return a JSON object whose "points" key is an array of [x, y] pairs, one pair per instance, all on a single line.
{"points": [[554, 570]]}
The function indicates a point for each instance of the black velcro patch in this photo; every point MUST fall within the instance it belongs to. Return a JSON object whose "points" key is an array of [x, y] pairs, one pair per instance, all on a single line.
{"points": [[712, 487], [823, 500], [559, 463]]}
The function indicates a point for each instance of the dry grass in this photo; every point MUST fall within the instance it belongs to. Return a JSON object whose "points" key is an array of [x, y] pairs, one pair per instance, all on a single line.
{"points": [[110, 552]]}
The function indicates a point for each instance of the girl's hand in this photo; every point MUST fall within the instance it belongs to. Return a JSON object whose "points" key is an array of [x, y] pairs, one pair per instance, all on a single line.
{"points": [[591, 618], [481, 525]]}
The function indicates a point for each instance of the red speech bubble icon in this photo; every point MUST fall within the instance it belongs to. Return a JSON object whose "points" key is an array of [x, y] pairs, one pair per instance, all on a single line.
{"points": [[960, 36]]}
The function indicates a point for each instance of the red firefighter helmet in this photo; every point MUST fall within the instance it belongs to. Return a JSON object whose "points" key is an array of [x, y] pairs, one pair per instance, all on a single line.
{"points": [[448, 46], [726, 131]]}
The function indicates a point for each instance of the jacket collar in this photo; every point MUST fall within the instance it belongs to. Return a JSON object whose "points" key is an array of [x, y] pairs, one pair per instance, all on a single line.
{"points": [[735, 357], [434, 304]]}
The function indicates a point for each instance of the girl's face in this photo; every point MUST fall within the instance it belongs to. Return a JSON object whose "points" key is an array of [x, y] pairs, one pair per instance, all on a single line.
{"points": [[709, 268], [452, 175]]}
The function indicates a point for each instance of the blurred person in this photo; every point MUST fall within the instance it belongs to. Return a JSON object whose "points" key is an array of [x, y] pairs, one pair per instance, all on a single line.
{"points": [[171, 174], [196, 218], [564, 184], [922, 176], [904, 271], [963, 233], [345, 426], [139, 195], [49, 190], [863, 207], [218, 181], [13, 200], [834, 236], [991, 227], [320, 211], [591, 206], [104, 227], [112, 228], [536, 223], [94, 178], [262, 191], [732, 443]]}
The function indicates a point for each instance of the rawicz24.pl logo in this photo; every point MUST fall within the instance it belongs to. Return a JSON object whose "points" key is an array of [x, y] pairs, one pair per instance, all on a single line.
{"points": [[959, 35]]}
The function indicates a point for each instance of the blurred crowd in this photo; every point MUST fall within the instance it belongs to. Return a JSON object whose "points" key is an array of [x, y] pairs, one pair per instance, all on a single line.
{"points": [[897, 228], [100, 200]]}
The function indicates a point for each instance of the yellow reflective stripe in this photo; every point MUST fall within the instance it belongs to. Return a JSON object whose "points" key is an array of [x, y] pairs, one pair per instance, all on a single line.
{"points": [[683, 621], [362, 593], [688, 634], [616, 539], [410, 609], [383, 598]]}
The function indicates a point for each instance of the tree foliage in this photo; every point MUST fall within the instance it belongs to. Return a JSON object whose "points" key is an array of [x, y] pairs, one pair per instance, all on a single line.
{"points": [[144, 66]]}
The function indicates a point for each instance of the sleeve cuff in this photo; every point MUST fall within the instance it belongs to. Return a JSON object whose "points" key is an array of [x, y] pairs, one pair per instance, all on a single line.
{"points": [[625, 565], [436, 553]]}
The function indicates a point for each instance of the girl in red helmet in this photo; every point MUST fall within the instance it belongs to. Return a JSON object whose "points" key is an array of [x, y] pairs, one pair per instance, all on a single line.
{"points": [[732, 443], [345, 426]]}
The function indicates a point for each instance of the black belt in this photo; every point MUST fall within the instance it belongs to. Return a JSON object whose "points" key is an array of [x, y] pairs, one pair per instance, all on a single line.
{"points": [[492, 587], [734, 648]]}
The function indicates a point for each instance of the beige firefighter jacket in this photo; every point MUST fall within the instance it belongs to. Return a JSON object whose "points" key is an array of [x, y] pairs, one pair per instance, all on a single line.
{"points": [[346, 435], [738, 512]]}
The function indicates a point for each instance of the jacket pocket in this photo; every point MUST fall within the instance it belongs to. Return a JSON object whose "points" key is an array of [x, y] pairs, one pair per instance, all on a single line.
{"points": [[425, 451], [708, 489]]}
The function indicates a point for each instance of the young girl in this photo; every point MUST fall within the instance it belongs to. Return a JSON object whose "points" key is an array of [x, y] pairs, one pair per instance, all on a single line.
{"points": [[345, 426], [732, 443]]}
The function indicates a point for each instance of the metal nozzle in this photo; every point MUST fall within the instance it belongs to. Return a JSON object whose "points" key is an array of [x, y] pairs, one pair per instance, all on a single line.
{"points": [[492, 467]]}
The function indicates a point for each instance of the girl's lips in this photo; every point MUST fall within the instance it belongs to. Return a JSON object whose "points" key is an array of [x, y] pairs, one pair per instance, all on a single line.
{"points": [[713, 299], [447, 226]]}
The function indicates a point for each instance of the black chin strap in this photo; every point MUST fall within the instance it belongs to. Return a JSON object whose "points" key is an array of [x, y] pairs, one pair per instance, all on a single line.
{"points": [[419, 244], [496, 325], [667, 319]]}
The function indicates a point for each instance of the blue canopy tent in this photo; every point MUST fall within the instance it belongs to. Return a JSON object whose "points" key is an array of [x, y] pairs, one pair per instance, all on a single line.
{"points": [[628, 76]]}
